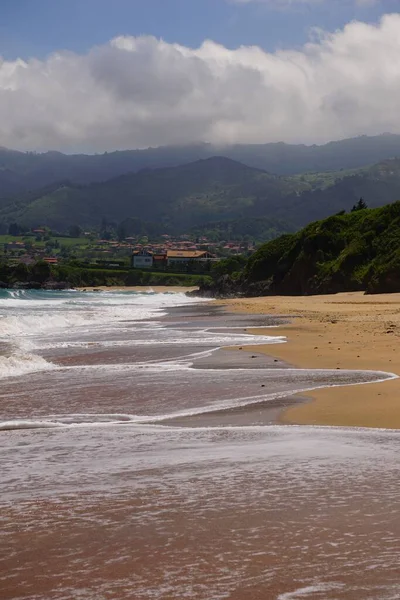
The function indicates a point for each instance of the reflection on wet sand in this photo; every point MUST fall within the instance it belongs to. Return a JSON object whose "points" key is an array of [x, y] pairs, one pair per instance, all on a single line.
{"points": [[246, 512], [145, 464]]}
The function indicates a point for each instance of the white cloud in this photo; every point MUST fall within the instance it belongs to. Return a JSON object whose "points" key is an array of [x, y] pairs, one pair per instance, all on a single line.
{"points": [[280, 3], [135, 92], [299, 3]]}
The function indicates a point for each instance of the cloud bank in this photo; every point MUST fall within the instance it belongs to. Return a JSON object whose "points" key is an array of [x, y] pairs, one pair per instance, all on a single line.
{"points": [[139, 92], [297, 3]]}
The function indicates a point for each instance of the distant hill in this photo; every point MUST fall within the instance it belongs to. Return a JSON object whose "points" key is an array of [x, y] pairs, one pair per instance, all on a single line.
{"points": [[176, 198], [349, 252], [24, 171], [378, 185], [213, 194]]}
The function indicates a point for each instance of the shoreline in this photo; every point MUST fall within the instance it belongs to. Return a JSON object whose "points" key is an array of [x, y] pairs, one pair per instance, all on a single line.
{"points": [[160, 289], [347, 331]]}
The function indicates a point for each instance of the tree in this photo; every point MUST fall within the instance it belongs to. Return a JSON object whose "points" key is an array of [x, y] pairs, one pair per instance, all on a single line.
{"points": [[74, 231], [361, 205], [121, 232], [40, 271], [21, 272], [14, 229]]}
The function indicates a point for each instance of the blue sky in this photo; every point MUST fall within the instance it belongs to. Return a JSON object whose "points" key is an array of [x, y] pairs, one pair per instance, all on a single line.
{"points": [[95, 75], [38, 27]]}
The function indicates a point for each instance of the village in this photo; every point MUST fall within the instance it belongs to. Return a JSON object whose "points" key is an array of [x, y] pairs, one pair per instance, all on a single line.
{"points": [[180, 253]]}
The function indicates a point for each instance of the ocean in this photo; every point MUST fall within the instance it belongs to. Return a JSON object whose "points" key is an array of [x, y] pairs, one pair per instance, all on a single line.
{"points": [[142, 459]]}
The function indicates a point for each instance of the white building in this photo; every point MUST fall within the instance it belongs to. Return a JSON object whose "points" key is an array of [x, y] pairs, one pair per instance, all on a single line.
{"points": [[143, 259], [176, 257]]}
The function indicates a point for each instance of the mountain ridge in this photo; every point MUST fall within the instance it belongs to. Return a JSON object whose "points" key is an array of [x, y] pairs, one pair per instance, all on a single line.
{"points": [[24, 171]]}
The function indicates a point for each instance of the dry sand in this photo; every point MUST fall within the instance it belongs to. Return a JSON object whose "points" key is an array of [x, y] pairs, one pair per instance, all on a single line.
{"points": [[347, 331]]}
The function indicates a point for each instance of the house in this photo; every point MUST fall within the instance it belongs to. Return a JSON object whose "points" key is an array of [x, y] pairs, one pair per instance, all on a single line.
{"points": [[160, 260], [14, 245], [50, 260], [142, 259], [181, 257]]}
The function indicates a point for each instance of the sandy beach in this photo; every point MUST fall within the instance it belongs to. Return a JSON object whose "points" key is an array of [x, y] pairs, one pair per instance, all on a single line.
{"points": [[340, 331]]}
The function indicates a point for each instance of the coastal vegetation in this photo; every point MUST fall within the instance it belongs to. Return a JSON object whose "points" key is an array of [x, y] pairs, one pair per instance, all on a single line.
{"points": [[352, 251], [63, 276]]}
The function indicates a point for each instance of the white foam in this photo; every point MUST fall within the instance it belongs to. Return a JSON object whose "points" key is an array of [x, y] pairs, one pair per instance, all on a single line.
{"points": [[57, 311], [310, 591], [27, 424], [68, 421], [22, 364], [174, 337]]}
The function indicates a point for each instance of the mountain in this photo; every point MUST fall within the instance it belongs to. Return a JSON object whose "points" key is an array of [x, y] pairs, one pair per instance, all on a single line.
{"points": [[211, 194], [348, 252], [23, 171], [176, 198]]}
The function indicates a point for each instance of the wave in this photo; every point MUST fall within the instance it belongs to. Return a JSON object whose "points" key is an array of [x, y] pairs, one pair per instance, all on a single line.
{"points": [[21, 364], [32, 324], [18, 298], [56, 311]]}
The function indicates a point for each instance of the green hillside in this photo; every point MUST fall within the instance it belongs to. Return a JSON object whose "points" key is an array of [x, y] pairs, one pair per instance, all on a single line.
{"points": [[359, 250]]}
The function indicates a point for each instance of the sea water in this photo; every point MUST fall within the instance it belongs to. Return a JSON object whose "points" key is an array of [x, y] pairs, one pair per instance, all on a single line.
{"points": [[139, 461]]}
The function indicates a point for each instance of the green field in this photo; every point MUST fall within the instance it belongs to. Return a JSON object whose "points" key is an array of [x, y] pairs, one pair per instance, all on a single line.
{"points": [[6, 239], [63, 241], [68, 242]]}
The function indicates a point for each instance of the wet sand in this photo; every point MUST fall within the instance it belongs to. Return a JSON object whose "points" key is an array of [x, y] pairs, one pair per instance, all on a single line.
{"points": [[265, 513], [114, 497], [341, 331]]}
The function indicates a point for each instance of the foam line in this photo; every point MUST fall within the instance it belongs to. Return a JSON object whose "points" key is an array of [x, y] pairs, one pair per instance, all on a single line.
{"points": [[105, 419]]}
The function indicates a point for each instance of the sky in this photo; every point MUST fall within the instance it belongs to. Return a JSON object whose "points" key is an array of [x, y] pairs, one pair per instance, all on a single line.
{"points": [[96, 75]]}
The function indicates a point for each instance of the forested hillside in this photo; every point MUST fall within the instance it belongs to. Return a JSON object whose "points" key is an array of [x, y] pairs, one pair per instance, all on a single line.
{"points": [[207, 197], [175, 198], [345, 252]]}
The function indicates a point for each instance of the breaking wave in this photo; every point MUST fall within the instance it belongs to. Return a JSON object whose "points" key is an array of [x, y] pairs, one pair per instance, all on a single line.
{"points": [[23, 364]]}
